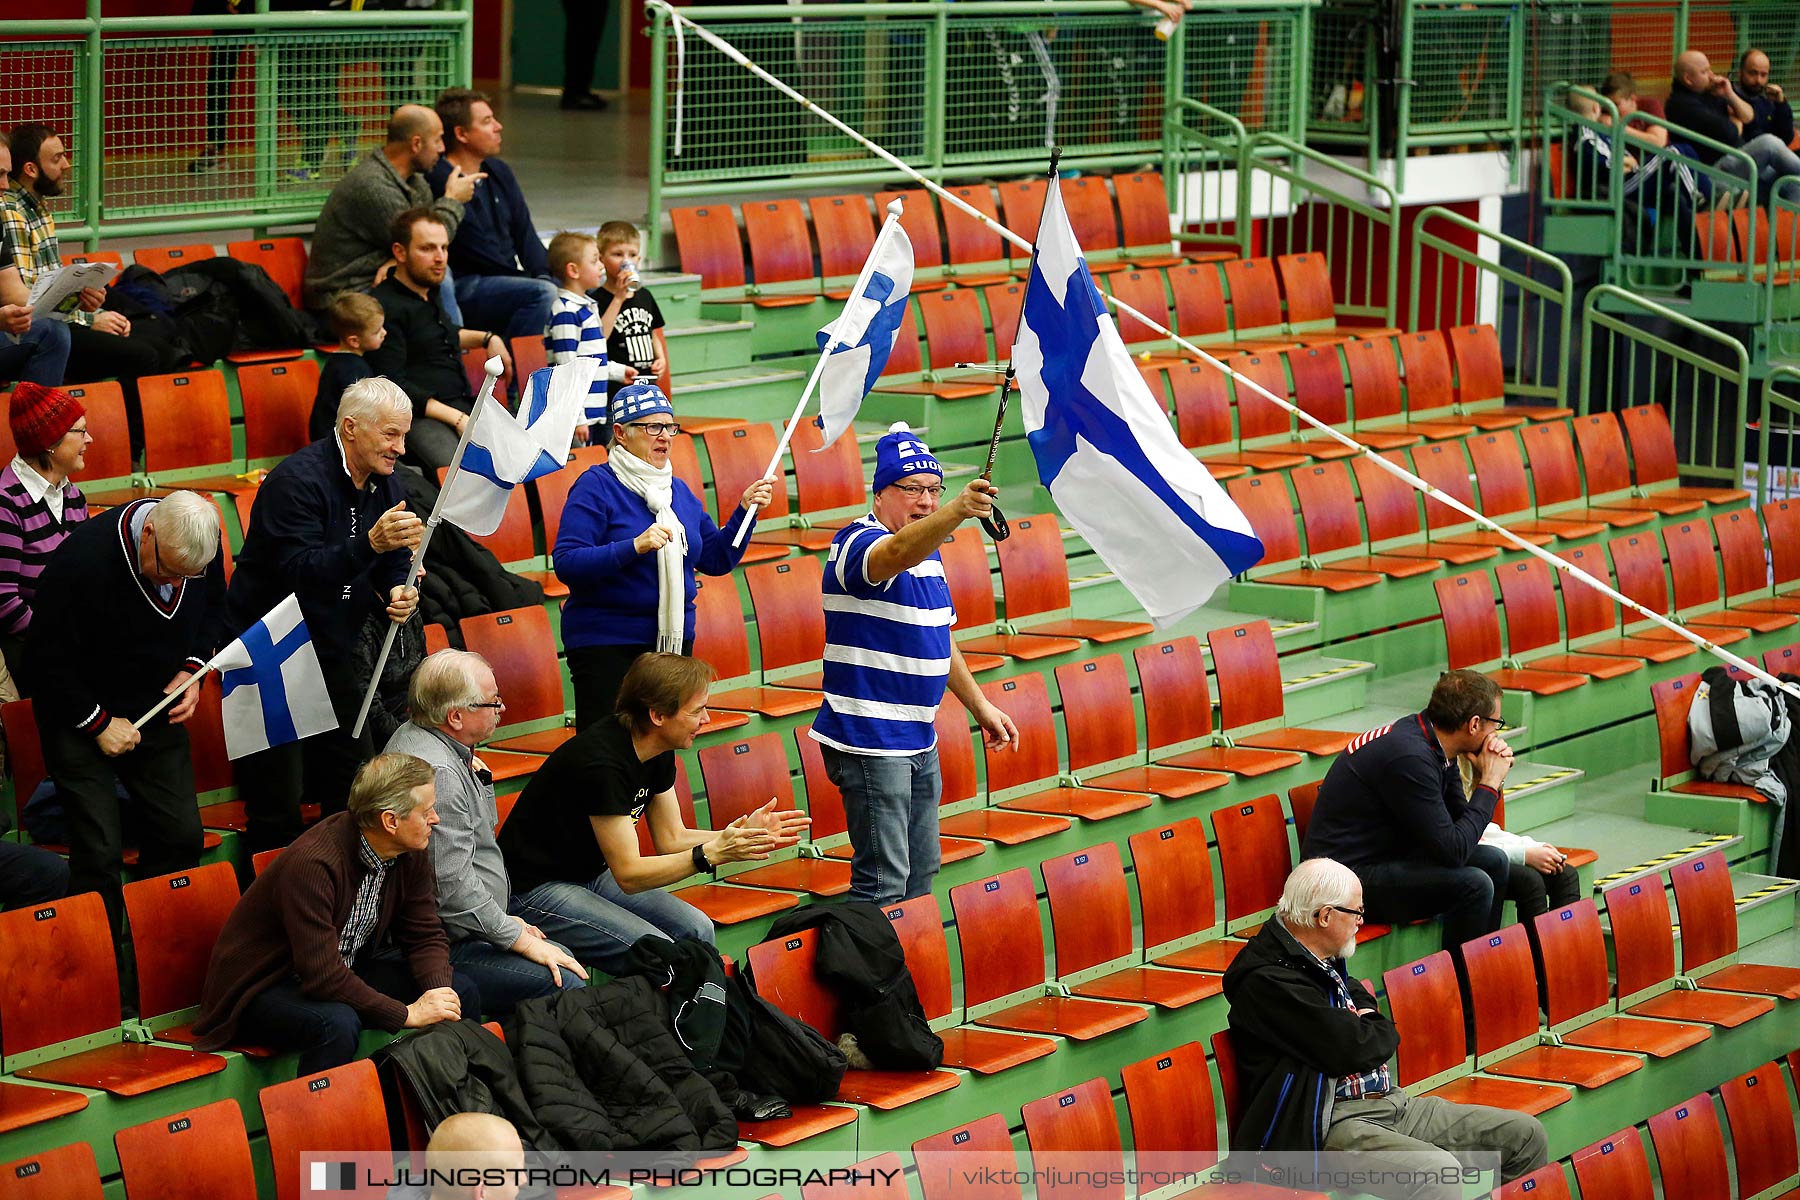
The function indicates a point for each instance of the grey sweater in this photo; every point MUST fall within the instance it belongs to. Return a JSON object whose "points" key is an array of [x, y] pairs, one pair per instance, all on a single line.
{"points": [[351, 238], [472, 885]]}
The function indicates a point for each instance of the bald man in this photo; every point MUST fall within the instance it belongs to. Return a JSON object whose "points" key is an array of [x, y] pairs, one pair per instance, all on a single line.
{"points": [[1705, 103], [352, 239], [475, 1141]]}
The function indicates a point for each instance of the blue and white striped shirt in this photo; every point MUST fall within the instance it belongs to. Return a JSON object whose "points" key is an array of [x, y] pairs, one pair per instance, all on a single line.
{"points": [[574, 332], [887, 649]]}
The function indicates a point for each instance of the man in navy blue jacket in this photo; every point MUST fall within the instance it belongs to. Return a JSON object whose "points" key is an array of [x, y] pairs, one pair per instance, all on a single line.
{"points": [[1392, 809], [500, 272]]}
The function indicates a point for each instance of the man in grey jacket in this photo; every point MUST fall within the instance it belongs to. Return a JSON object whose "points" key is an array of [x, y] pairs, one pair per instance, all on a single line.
{"points": [[351, 240], [455, 706]]}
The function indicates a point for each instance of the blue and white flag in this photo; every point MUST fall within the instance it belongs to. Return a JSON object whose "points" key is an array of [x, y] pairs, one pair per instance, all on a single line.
{"points": [[274, 690], [506, 449], [860, 340], [1105, 448]]}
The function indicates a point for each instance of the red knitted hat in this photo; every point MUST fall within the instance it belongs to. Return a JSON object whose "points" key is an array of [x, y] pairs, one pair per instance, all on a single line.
{"points": [[40, 417]]}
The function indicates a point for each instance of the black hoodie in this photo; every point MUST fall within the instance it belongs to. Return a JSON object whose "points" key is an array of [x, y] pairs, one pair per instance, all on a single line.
{"points": [[1292, 1044]]}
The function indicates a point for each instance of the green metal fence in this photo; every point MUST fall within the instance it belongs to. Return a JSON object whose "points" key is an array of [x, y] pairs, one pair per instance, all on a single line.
{"points": [[1777, 427], [247, 123]]}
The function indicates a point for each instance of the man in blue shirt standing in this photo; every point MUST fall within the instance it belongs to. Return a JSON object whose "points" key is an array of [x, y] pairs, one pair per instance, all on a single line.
{"points": [[497, 262], [888, 658]]}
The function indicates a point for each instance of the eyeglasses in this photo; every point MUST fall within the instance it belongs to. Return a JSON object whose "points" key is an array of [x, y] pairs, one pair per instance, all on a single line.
{"points": [[914, 490], [80, 431], [1499, 723], [657, 428], [156, 550], [496, 705], [1348, 912]]}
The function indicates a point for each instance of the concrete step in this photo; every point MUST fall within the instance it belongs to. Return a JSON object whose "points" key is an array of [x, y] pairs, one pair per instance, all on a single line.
{"points": [[700, 345], [677, 295]]}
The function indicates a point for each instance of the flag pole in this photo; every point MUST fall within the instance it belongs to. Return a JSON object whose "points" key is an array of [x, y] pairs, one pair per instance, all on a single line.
{"points": [[1417, 484], [894, 208], [169, 699], [491, 369]]}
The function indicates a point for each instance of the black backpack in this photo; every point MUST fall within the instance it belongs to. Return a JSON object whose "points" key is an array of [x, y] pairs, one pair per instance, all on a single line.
{"points": [[780, 1054]]}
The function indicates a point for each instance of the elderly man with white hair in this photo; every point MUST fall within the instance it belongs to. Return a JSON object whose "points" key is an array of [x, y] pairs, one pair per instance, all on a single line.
{"points": [[1313, 1051], [329, 525], [456, 706], [127, 609]]}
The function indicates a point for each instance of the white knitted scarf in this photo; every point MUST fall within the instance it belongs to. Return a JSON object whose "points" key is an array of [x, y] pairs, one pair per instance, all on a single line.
{"points": [[657, 487]]}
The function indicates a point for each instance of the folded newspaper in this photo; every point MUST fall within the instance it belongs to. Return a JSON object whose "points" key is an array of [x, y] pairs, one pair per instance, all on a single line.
{"points": [[59, 295]]}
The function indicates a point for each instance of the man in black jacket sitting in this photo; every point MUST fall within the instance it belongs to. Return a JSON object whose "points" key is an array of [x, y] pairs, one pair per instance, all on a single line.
{"points": [[1312, 1055]]}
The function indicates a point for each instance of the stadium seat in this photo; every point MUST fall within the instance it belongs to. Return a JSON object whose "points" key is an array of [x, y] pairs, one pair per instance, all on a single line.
{"points": [[1782, 519], [1090, 919], [260, 861], [1144, 291], [972, 594], [710, 245], [1175, 899], [1637, 911], [781, 248], [1548, 1182], [1003, 300], [723, 903], [194, 1154], [719, 638], [1265, 503], [1332, 520], [1579, 1007], [1481, 381], [1606, 475], [1472, 635], [1022, 204], [963, 812], [72, 257], [1002, 944], [1178, 715], [65, 1173], [740, 777], [829, 489], [1690, 1150], [106, 477], [278, 402], [553, 489], [829, 831], [513, 543], [1373, 372], [1671, 699], [1100, 719], [341, 1108], [955, 332], [1093, 220], [1745, 560], [1762, 1132], [904, 374], [1707, 910], [977, 255], [1199, 296], [163, 259], [920, 928], [283, 258], [1255, 295], [529, 356], [1655, 466], [1430, 394], [1251, 709], [1147, 224], [1533, 623], [175, 919], [1034, 578], [1444, 466], [1205, 423], [1427, 1011], [785, 977], [919, 218], [1593, 619], [1311, 304], [518, 645], [1694, 569], [59, 983], [1264, 425], [1500, 474], [1254, 863], [1074, 1138], [187, 432], [1504, 994], [846, 235], [1614, 1167], [790, 623], [740, 456], [1390, 509], [1319, 390], [1025, 776], [981, 1148]]}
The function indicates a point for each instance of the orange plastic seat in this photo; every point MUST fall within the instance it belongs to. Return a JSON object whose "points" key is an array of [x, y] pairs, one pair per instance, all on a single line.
{"points": [[1694, 565], [960, 811], [1606, 473], [1175, 899], [1644, 949], [175, 920], [1481, 379], [1250, 699], [972, 594], [1025, 777], [1690, 1150], [283, 258], [1614, 1167], [1472, 635], [1100, 719], [1534, 623], [278, 402], [1579, 1005], [980, 1149], [187, 428], [65, 1173], [195, 1154], [1654, 464], [518, 645], [1762, 1133], [1709, 933], [1178, 714], [825, 805], [740, 777], [719, 638], [341, 1108]]}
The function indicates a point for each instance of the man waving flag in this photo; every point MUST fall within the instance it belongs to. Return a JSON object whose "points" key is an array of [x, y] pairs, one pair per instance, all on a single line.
{"points": [[1104, 446]]}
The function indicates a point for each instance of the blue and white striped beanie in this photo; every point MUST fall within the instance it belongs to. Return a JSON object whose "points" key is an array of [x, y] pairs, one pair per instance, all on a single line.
{"points": [[900, 453]]}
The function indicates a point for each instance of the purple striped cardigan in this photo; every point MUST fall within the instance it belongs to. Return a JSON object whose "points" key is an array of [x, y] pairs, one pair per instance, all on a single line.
{"points": [[28, 534]]}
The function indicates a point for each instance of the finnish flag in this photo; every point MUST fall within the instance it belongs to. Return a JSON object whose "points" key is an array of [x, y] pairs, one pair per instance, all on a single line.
{"points": [[274, 691], [505, 449], [1104, 447], [858, 343]]}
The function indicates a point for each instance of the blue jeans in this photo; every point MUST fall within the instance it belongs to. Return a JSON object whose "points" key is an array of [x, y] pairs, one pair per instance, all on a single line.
{"points": [[30, 875], [1468, 898], [1770, 156], [504, 978], [891, 804], [599, 921], [447, 298], [39, 355], [510, 305]]}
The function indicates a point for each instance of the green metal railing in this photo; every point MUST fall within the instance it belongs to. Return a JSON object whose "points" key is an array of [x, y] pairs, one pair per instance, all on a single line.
{"points": [[956, 90], [1533, 307], [1780, 393], [182, 124], [1701, 376]]}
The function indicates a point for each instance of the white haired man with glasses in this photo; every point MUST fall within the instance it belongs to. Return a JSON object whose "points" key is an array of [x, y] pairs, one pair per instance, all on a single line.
{"points": [[456, 706], [888, 658]]}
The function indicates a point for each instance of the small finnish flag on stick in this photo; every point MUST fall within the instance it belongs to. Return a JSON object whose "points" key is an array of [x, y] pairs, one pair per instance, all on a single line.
{"points": [[274, 691]]}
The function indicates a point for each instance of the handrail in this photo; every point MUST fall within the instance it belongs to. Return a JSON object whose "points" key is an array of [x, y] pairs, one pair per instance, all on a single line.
{"points": [[1175, 163], [1771, 397]]}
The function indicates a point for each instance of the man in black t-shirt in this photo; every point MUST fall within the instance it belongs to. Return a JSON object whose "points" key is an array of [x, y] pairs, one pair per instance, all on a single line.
{"points": [[571, 844]]}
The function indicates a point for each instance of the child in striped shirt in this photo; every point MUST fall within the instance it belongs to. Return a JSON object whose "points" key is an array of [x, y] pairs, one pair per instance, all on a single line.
{"points": [[575, 330]]}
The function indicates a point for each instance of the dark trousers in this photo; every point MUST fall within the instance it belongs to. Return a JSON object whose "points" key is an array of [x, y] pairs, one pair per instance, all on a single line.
{"points": [[597, 672], [583, 23], [1467, 898], [30, 875], [94, 355], [159, 778], [1534, 893], [274, 783], [325, 1032]]}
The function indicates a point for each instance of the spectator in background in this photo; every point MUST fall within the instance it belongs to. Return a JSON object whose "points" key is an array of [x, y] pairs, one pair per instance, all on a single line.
{"points": [[358, 323], [30, 874], [631, 320], [126, 611], [30, 350], [575, 330], [422, 352], [1621, 88], [100, 342], [1771, 113], [337, 933], [39, 505], [583, 23], [352, 240], [471, 1146], [500, 272], [456, 706], [1705, 103]]}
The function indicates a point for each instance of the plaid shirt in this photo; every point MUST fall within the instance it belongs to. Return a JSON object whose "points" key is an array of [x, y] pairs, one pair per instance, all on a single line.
{"points": [[30, 239], [367, 907], [1369, 1083]]}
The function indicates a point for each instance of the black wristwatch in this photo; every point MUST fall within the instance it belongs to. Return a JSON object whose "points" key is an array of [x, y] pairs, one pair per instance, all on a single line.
{"points": [[700, 863]]}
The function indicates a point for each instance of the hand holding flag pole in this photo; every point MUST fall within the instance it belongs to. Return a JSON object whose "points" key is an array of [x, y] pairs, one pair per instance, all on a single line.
{"points": [[492, 369], [177, 694]]}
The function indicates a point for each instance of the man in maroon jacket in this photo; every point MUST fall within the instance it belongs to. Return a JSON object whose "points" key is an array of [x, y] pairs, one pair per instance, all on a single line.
{"points": [[306, 961]]}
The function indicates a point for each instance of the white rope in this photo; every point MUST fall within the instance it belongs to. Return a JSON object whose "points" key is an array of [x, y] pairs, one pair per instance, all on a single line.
{"points": [[1566, 568]]}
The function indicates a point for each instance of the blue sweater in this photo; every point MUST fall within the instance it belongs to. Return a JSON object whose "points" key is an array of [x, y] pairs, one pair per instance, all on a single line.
{"points": [[496, 236], [612, 588]]}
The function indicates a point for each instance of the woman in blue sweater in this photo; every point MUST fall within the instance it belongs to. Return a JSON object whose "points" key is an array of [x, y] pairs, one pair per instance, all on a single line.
{"points": [[632, 537]]}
